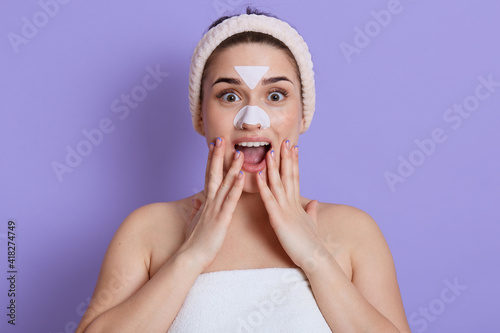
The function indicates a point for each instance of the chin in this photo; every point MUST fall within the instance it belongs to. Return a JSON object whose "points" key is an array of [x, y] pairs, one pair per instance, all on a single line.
{"points": [[251, 190], [251, 183]]}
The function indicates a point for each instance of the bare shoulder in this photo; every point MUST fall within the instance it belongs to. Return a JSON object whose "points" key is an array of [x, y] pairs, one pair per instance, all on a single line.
{"points": [[149, 217], [126, 264], [352, 224], [145, 220], [144, 229], [355, 233], [346, 213], [157, 226], [371, 264], [150, 212]]}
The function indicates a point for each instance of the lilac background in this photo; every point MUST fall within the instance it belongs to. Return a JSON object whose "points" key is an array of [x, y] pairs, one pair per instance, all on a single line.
{"points": [[441, 222]]}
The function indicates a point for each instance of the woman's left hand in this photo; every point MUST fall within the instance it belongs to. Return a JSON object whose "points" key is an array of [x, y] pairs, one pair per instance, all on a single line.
{"points": [[295, 227]]}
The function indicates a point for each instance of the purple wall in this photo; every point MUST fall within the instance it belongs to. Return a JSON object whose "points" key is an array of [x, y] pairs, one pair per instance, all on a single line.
{"points": [[406, 128]]}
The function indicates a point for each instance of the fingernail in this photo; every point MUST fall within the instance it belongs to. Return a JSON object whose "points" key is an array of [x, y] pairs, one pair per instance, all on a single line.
{"points": [[297, 149], [237, 155], [288, 144], [272, 154], [240, 174], [218, 142]]}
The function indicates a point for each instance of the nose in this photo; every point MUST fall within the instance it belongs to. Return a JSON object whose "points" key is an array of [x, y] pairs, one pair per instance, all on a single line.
{"points": [[251, 127], [251, 117]]}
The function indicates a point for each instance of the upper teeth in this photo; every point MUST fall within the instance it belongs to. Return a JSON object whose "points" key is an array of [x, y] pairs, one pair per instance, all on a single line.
{"points": [[252, 144]]}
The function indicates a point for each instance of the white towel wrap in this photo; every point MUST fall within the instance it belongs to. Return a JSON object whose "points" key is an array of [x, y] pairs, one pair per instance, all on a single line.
{"points": [[250, 300]]}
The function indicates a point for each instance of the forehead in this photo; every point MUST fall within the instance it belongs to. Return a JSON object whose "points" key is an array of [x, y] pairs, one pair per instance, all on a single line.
{"points": [[252, 54]]}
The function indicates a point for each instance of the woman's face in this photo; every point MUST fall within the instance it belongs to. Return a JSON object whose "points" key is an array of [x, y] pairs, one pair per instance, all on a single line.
{"points": [[223, 99]]}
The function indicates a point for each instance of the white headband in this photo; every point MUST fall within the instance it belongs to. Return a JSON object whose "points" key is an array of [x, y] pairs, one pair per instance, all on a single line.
{"points": [[258, 23]]}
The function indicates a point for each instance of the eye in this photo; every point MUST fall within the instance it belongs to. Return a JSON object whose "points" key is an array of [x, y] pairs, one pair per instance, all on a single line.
{"points": [[230, 97], [276, 96]]}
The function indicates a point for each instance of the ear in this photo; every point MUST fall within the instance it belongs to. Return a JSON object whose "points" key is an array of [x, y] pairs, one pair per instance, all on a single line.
{"points": [[302, 125], [202, 126]]}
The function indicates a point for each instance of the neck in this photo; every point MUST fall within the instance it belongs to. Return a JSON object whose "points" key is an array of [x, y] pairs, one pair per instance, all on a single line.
{"points": [[250, 208]]}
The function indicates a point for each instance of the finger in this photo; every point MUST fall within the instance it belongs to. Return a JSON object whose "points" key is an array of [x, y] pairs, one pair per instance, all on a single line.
{"points": [[287, 171], [194, 210], [296, 177], [229, 181], [275, 176], [216, 165], [196, 207], [232, 198], [267, 195], [312, 210], [211, 149], [275, 186]]}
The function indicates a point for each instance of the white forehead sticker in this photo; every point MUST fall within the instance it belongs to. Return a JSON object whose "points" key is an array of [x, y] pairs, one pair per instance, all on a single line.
{"points": [[251, 115], [251, 74]]}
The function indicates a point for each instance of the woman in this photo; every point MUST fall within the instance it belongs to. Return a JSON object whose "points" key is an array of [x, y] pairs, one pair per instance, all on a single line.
{"points": [[235, 257]]}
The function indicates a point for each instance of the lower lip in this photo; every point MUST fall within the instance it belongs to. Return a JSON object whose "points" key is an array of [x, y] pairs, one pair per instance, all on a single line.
{"points": [[252, 168]]}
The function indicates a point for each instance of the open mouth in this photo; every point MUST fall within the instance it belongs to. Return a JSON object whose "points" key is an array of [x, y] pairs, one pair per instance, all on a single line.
{"points": [[255, 154]]}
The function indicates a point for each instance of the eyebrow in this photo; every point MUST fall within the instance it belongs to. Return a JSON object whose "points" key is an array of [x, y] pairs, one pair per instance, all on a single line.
{"points": [[229, 80], [275, 79], [266, 81]]}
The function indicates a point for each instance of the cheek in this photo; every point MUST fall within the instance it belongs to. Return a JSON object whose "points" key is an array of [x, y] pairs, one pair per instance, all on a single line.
{"points": [[287, 117], [287, 122], [217, 120]]}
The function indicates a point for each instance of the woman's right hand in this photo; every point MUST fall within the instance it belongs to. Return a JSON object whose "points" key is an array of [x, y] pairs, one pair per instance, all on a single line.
{"points": [[207, 226]]}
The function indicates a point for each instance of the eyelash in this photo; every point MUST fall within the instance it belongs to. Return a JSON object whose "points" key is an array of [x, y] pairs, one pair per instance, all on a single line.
{"points": [[281, 91], [225, 91]]}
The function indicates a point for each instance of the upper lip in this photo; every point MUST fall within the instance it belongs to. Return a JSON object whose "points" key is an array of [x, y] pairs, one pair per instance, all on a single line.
{"points": [[252, 139]]}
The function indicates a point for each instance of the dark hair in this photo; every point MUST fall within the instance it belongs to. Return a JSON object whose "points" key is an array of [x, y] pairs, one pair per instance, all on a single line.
{"points": [[247, 37], [250, 10]]}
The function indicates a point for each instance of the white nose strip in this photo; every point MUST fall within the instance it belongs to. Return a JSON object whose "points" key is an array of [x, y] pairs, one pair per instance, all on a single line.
{"points": [[251, 74], [251, 115]]}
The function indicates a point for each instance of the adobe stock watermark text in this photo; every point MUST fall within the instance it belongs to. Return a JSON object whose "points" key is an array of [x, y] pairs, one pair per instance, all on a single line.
{"points": [[454, 118], [121, 107]]}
